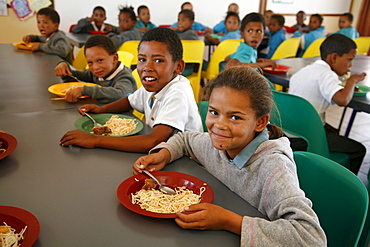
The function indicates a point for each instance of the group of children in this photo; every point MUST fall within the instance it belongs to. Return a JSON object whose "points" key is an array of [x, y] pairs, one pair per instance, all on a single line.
{"points": [[242, 149]]}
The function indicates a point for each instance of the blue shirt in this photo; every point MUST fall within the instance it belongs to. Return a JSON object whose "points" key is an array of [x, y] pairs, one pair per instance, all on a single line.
{"points": [[274, 41], [220, 27], [241, 159], [310, 37], [350, 32], [196, 26], [231, 35], [140, 23], [245, 53]]}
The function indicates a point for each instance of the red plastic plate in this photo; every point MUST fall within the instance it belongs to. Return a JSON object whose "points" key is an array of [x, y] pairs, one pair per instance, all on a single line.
{"points": [[9, 143], [167, 178], [98, 32], [18, 219], [280, 69]]}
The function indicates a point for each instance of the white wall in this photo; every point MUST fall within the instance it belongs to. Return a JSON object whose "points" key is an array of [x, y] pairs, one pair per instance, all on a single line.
{"points": [[207, 12]]}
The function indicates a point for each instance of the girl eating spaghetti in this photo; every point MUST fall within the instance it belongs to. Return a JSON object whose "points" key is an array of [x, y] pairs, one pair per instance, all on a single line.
{"points": [[252, 158]]}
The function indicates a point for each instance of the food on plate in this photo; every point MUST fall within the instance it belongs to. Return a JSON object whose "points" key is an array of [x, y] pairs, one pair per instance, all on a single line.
{"points": [[8, 236], [2, 150], [65, 90], [103, 130], [357, 89], [155, 201], [120, 126], [149, 184]]}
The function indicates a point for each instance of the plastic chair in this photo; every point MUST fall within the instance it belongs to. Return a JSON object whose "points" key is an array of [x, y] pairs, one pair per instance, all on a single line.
{"points": [[288, 48], [203, 110], [80, 61], [131, 46], [365, 236], [298, 117], [339, 197], [193, 53], [139, 115], [314, 49], [363, 45], [225, 48]]}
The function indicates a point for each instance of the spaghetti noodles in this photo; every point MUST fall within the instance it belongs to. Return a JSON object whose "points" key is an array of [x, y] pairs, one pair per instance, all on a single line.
{"points": [[8, 236]]}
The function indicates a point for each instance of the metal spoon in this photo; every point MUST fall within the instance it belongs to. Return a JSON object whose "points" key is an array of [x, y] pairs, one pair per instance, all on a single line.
{"points": [[95, 123], [163, 189]]}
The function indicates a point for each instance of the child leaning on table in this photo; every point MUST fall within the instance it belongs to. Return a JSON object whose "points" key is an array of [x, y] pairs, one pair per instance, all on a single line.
{"points": [[319, 84], [51, 40], [95, 23], [232, 23], [166, 98], [113, 76], [249, 156], [252, 31], [144, 23]]}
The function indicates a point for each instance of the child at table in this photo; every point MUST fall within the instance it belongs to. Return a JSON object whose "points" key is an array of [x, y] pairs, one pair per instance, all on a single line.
{"points": [[94, 23], [252, 158], [320, 85], [220, 28], [127, 21], [316, 32], [252, 31], [166, 98], [195, 26], [51, 40], [113, 76], [232, 23], [185, 22], [277, 34], [345, 25], [144, 23], [300, 25]]}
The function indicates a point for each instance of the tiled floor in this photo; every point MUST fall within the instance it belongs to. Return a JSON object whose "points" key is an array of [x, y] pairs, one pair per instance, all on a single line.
{"points": [[359, 132]]}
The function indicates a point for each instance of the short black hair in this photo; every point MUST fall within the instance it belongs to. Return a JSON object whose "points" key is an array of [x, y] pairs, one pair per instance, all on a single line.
{"points": [[52, 14], [280, 19], [349, 16], [168, 37], [188, 13], [229, 14], [336, 43], [140, 8], [99, 8], [128, 10], [102, 41], [253, 17], [182, 5], [319, 17]]}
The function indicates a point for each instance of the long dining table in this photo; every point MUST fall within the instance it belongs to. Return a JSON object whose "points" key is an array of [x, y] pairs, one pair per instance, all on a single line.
{"points": [[358, 103], [72, 190]]}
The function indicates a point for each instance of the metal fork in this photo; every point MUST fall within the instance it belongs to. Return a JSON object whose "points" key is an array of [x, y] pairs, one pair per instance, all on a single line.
{"points": [[92, 119]]}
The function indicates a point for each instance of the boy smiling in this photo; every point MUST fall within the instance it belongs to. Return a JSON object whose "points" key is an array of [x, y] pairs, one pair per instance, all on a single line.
{"points": [[166, 98]]}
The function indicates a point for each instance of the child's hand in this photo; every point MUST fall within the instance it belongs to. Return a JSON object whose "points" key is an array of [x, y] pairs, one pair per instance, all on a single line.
{"points": [[79, 138], [62, 69], [205, 216], [26, 39], [89, 108], [356, 78], [35, 46], [73, 95], [152, 162], [108, 27], [266, 62]]}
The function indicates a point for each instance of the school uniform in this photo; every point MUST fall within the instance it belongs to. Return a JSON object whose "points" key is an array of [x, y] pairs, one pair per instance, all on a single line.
{"points": [[174, 105], [274, 41], [350, 32], [189, 34], [245, 53], [317, 83], [57, 44], [309, 37], [84, 26], [140, 24], [196, 26], [220, 27], [132, 34], [231, 35]]}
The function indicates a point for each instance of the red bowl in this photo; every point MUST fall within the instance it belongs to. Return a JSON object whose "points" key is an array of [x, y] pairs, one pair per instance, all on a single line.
{"points": [[166, 178], [8, 142], [280, 69], [200, 32], [18, 219], [98, 32]]}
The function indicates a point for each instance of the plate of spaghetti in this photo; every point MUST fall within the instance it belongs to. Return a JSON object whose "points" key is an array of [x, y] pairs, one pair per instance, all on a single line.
{"points": [[8, 144], [113, 124], [153, 203], [61, 89], [280, 69], [18, 226]]}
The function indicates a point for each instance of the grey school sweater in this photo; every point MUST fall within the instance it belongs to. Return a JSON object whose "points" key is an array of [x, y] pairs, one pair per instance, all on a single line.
{"points": [[57, 44], [268, 181], [111, 90]]}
